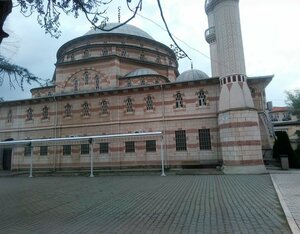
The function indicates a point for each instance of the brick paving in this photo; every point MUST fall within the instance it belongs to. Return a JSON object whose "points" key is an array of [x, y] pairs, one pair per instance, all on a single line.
{"points": [[289, 187], [141, 204]]}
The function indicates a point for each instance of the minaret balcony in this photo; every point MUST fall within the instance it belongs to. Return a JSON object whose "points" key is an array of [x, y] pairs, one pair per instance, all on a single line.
{"points": [[210, 35]]}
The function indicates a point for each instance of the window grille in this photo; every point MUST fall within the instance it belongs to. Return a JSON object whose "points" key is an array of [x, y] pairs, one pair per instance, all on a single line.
{"points": [[142, 82], [179, 101], [105, 52], [151, 146], [202, 98], [27, 151], [149, 103], [104, 107], [43, 150], [123, 52], [75, 85], [9, 116], [85, 149], [86, 54], [142, 56], [129, 83], [97, 82], [45, 112], [29, 115], [204, 139], [104, 148], [180, 139], [67, 150], [85, 109], [158, 59], [68, 110], [129, 105], [129, 147], [86, 78]]}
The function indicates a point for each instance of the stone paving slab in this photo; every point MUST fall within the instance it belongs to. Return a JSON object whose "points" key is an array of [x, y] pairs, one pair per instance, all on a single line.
{"points": [[141, 204], [289, 187]]}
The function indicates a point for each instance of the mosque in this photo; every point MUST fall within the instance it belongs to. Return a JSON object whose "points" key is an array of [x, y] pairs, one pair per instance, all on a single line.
{"points": [[124, 81]]}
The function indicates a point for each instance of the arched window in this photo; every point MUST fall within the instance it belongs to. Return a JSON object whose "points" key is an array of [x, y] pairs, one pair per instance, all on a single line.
{"points": [[105, 52], [123, 52], [68, 110], [45, 112], [129, 104], [149, 103], [9, 116], [202, 98], [97, 82], [179, 101], [104, 107], [85, 109], [76, 85], [86, 78], [86, 54], [29, 114], [158, 59], [142, 56]]}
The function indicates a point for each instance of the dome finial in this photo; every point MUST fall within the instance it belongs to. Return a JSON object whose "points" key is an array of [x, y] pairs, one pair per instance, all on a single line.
{"points": [[192, 66]]}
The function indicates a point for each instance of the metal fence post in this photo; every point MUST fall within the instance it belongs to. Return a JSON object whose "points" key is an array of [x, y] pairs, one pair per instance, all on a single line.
{"points": [[162, 156], [92, 157], [31, 160]]}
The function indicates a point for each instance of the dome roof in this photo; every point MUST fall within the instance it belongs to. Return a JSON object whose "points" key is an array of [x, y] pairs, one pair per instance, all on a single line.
{"points": [[191, 75], [141, 72], [124, 29]]}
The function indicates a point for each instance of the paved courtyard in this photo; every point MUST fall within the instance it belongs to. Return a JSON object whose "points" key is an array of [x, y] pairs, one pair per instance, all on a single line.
{"points": [[141, 204], [289, 187]]}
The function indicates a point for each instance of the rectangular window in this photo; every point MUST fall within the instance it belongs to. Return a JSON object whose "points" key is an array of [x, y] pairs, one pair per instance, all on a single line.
{"points": [[85, 149], [104, 148], [204, 139], [129, 146], [151, 146], [67, 150], [43, 150], [27, 151], [180, 139]]}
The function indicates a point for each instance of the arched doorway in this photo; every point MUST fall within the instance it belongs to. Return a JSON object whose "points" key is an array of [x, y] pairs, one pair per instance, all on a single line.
{"points": [[6, 157]]}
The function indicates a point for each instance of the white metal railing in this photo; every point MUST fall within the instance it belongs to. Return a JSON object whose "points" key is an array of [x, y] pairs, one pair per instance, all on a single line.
{"points": [[83, 139]]}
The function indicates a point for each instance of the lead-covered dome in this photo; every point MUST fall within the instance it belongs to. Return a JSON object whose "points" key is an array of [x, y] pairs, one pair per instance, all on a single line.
{"points": [[192, 75], [124, 29], [141, 72]]}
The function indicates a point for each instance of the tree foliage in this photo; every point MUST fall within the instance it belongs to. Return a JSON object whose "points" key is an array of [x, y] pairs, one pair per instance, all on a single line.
{"points": [[293, 100], [49, 12], [16, 75], [48, 16]]}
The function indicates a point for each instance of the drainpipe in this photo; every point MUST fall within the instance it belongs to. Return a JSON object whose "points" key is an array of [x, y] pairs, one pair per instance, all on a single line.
{"points": [[164, 122]]}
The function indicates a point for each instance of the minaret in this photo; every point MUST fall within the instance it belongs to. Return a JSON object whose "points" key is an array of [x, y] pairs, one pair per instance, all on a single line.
{"points": [[240, 139]]}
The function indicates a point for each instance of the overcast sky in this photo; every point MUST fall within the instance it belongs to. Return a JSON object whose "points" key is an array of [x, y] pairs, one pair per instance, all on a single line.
{"points": [[270, 30]]}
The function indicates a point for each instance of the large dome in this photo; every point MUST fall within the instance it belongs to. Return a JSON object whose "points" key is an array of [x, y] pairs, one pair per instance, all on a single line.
{"points": [[141, 72], [124, 29], [192, 75]]}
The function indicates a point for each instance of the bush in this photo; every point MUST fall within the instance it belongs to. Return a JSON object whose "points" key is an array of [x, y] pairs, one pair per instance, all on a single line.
{"points": [[296, 159]]}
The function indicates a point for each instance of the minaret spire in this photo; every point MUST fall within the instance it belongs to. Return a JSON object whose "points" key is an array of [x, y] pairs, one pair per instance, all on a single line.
{"points": [[119, 14], [240, 139]]}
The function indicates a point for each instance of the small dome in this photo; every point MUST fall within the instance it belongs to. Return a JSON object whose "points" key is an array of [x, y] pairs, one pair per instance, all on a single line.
{"points": [[141, 72], [191, 75], [124, 29]]}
